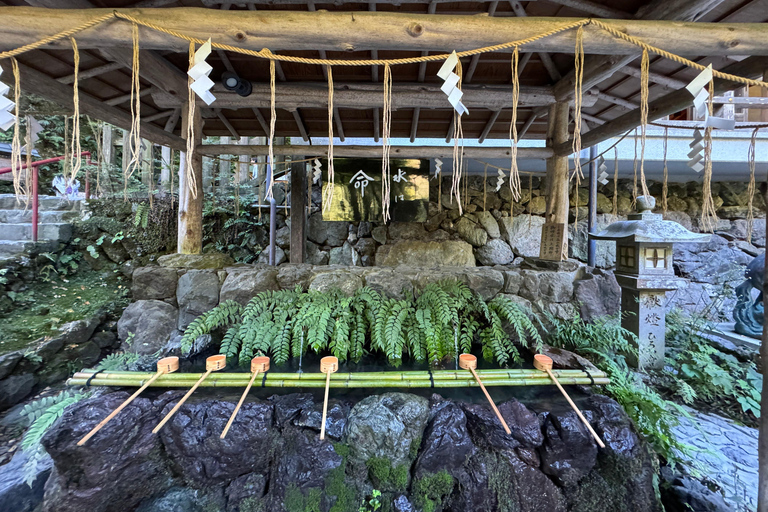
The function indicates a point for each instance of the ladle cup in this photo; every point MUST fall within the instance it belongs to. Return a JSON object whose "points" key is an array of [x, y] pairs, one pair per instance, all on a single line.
{"points": [[328, 365]]}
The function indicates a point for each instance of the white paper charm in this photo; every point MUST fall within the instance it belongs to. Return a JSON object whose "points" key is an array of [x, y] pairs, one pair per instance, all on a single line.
{"points": [[317, 171], [7, 119], [451, 84], [438, 168], [199, 72], [500, 180]]}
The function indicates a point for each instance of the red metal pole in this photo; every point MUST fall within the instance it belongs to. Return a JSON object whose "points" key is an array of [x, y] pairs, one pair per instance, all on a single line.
{"points": [[87, 184], [43, 162], [35, 203]]}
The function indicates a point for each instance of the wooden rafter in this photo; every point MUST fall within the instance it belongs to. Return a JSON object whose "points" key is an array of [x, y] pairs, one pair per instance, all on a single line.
{"points": [[488, 126], [372, 151], [92, 72], [117, 100], [589, 7], [415, 123], [546, 60], [226, 123]]}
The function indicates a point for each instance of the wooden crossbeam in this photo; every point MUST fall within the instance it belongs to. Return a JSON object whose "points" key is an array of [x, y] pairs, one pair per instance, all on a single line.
{"points": [[669, 104], [226, 123], [117, 100], [159, 115], [365, 95], [488, 126], [38, 83], [415, 123], [589, 7], [666, 81], [90, 73], [628, 105], [554, 74], [372, 151], [363, 31]]}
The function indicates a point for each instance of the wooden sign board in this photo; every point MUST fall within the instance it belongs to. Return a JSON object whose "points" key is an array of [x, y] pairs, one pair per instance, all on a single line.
{"points": [[357, 189], [554, 244]]}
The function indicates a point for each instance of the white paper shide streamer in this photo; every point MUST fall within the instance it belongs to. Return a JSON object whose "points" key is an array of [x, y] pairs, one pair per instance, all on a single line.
{"points": [[451, 85], [317, 171], [696, 155], [700, 94], [500, 180], [199, 72], [7, 119], [602, 177], [438, 168]]}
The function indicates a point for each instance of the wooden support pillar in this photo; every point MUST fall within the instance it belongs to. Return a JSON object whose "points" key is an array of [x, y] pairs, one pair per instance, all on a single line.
{"points": [[224, 170], [554, 232], [298, 211], [107, 159], [190, 234], [166, 163], [245, 161]]}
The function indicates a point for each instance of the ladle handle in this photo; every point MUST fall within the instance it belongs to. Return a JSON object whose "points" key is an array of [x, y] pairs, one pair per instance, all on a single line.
{"points": [[117, 411], [181, 402], [576, 409], [237, 408], [490, 400], [325, 405]]}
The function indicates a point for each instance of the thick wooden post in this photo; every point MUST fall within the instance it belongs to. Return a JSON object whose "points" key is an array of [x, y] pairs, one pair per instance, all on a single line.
{"points": [[554, 233], [225, 170], [245, 161], [165, 170], [191, 208], [298, 211]]}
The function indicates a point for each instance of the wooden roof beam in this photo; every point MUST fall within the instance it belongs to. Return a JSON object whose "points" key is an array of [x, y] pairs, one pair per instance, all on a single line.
{"points": [[476, 58], [415, 123], [363, 31], [488, 126], [431, 9], [373, 151], [299, 124], [365, 95], [126, 97], [657, 78], [339, 125], [90, 73], [38, 83], [546, 60], [589, 7], [226, 123], [669, 104], [627, 105], [160, 115]]}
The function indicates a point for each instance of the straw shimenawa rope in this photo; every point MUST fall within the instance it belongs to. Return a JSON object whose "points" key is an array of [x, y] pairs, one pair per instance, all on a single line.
{"points": [[485, 186], [615, 209], [665, 184], [578, 85], [458, 149], [514, 174], [644, 72], [751, 186], [331, 181], [272, 121], [386, 145], [708, 212], [189, 175], [135, 133], [77, 159], [18, 188], [634, 171]]}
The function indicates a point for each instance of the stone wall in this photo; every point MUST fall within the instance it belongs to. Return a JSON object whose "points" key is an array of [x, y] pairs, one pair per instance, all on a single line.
{"points": [[422, 454]]}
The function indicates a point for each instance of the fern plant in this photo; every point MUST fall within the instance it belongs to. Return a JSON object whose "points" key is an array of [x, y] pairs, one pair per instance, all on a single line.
{"points": [[41, 415], [443, 321]]}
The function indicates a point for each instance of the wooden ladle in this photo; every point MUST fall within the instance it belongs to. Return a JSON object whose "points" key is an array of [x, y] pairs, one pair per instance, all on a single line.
{"points": [[328, 365], [258, 365], [544, 363], [212, 364], [165, 365], [469, 362]]}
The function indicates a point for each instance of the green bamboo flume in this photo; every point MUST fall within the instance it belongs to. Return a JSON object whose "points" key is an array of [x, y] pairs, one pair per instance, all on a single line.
{"points": [[406, 379]]}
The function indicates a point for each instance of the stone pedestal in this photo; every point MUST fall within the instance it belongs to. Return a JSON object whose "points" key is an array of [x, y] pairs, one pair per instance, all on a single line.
{"points": [[644, 315]]}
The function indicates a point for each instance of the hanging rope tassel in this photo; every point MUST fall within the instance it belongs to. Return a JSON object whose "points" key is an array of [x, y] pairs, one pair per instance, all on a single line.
{"points": [[664, 186], [272, 121], [485, 186], [514, 173], [328, 192], [76, 158], [386, 127], [708, 213], [634, 173], [135, 133], [644, 72], [578, 86], [530, 196], [751, 186], [615, 209], [458, 150], [19, 189]]}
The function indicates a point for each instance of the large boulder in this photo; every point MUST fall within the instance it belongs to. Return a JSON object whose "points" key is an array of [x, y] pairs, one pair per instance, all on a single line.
{"points": [[569, 452], [386, 426], [345, 281], [15, 494], [446, 444], [8, 362], [597, 295], [15, 388], [489, 223], [192, 441], [391, 283], [471, 232], [210, 261], [151, 322], [323, 232], [243, 285], [523, 234], [345, 255], [713, 262], [119, 467], [315, 255], [415, 253], [407, 231], [484, 281], [154, 283], [197, 292], [291, 275], [495, 252]]}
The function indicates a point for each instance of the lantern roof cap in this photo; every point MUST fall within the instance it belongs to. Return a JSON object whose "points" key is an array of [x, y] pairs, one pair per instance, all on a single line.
{"points": [[647, 227]]}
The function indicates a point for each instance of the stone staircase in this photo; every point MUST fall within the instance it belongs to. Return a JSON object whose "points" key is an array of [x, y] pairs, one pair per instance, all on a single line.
{"points": [[55, 216]]}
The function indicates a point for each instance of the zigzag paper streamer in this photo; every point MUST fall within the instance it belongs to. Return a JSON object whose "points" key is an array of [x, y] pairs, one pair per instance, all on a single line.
{"points": [[500, 180], [602, 178], [317, 172], [438, 168], [450, 87], [7, 119], [695, 156], [701, 98], [199, 73]]}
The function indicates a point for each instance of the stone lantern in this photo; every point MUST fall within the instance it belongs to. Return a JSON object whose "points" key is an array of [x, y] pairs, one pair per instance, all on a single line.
{"points": [[644, 272]]}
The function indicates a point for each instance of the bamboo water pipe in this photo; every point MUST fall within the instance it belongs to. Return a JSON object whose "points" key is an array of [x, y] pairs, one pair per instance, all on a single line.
{"points": [[212, 364], [328, 365], [469, 362], [258, 365], [544, 363], [165, 365]]}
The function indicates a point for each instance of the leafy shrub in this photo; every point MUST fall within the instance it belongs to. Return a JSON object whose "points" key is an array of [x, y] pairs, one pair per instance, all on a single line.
{"points": [[443, 320]]}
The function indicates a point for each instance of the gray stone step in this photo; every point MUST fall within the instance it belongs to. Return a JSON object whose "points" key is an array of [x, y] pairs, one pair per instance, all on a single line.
{"points": [[11, 248], [45, 216], [8, 202], [57, 231]]}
